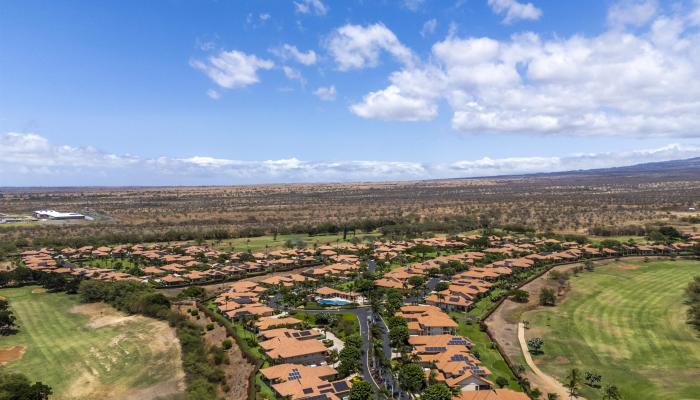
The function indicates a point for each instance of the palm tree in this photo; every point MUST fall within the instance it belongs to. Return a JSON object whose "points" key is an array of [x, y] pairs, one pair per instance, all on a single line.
{"points": [[573, 381], [441, 297], [611, 392]]}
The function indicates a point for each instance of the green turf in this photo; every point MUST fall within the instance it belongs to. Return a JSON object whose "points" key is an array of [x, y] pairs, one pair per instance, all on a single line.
{"points": [[109, 263], [488, 354], [630, 326], [61, 347]]}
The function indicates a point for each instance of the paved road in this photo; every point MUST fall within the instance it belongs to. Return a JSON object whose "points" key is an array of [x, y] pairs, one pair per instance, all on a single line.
{"points": [[384, 377], [362, 315]]}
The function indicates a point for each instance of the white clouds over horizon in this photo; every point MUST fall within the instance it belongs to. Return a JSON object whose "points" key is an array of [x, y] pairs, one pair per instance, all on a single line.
{"points": [[643, 83], [28, 159]]}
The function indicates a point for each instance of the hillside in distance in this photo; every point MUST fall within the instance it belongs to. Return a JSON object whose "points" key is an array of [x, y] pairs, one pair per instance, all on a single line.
{"points": [[674, 169], [573, 201]]}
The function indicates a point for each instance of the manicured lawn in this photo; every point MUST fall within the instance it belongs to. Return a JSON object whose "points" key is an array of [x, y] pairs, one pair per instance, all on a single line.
{"points": [[489, 355], [84, 358], [627, 322], [109, 263], [347, 324]]}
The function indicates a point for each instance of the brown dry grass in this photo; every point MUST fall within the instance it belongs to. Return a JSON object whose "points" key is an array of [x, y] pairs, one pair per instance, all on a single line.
{"points": [[10, 354], [559, 203]]}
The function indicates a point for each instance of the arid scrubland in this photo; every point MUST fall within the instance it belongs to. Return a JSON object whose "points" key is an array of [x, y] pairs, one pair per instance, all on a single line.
{"points": [[564, 202]]}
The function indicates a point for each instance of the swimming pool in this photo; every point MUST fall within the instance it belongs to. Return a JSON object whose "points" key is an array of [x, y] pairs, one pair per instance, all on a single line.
{"points": [[333, 302]]}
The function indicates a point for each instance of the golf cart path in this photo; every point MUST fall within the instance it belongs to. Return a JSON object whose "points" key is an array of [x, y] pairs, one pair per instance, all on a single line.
{"points": [[546, 383]]}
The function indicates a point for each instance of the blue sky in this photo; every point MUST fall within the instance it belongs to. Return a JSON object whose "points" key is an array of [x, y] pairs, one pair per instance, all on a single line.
{"points": [[225, 92]]}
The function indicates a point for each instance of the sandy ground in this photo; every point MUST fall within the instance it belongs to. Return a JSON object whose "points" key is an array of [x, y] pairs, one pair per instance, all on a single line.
{"points": [[11, 354], [6, 266], [162, 339], [102, 315], [238, 369]]}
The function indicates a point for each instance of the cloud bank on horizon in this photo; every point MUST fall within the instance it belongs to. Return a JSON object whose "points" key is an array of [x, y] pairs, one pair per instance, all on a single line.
{"points": [[25, 155], [312, 90]]}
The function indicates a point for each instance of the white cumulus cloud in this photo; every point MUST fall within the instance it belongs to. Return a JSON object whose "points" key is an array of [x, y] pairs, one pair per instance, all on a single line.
{"points": [[428, 27], [213, 94], [232, 69], [326, 93], [514, 10], [391, 104], [631, 12], [618, 82], [315, 7], [357, 46], [287, 51]]}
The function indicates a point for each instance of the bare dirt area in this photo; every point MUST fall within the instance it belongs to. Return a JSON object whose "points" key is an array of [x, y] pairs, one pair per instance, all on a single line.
{"points": [[38, 290], [503, 326], [628, 266], [6, 266], [238, 369], [11, 354], [101, 314], [161, 339]]}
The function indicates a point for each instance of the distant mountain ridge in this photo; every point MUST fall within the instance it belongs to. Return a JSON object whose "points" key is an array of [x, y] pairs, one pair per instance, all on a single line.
{"points": [[677, 168]]}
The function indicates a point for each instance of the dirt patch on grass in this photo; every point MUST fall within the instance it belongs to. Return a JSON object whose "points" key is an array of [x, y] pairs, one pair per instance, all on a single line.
{"points": [[5, 266], [88, 386], [628, 267], [38, 290], [10, 354], [160, 338], [561, 360], [101, 314]]}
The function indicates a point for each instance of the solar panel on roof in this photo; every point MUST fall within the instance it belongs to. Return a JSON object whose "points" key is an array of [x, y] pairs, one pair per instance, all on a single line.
{"points": [[308, 390], [294, 375], [341, 386]]}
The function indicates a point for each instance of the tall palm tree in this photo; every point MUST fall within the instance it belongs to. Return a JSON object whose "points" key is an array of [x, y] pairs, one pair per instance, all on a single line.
{"points": [[573, 381]]}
